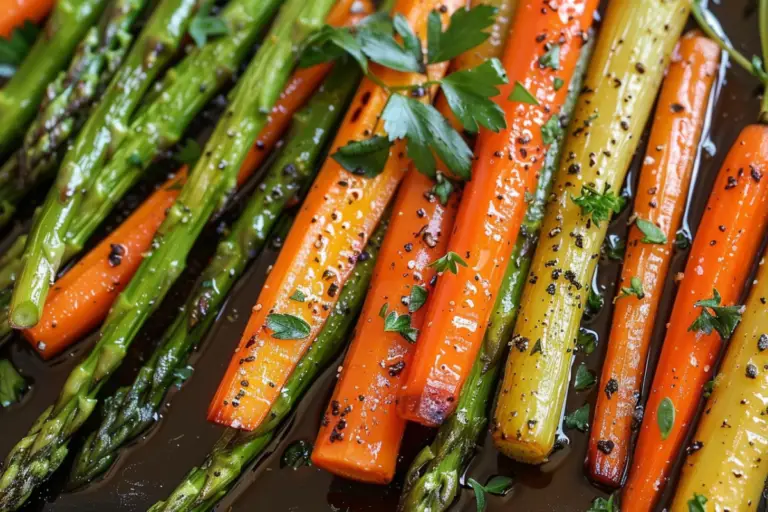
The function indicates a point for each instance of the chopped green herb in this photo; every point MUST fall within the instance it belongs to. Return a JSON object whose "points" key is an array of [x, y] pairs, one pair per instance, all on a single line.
{"points": [[417, 298], [635, 288], [578, 419], [603, 505], [298, 296], [652, 233], [287, 327], [552, 130], [584, 379], [365, 157], [297, 454], [665, 417], [600, 206], [450, 262], [383, 310], [551, 59], [12, 385], [586, 341], [498, 485], [682, 240], [443, 188], [537, 348], [469, 94], [401, 324], [558, 83], [522, 95], [697, 503], [15, 48], [181, 375], [595, 301], [714, 317], [203, 25], [614, 247]]}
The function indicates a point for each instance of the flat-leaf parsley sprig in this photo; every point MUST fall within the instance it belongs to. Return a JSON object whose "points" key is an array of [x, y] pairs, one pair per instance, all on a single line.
{"points": [[427, 133]]}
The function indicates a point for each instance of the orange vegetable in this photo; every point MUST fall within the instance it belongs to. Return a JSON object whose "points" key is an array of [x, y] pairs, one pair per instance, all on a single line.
{"points": [[81, 299], [721, 258], [319, 254], [661, 198], [544, 45], [16, 12], [360, 433]]}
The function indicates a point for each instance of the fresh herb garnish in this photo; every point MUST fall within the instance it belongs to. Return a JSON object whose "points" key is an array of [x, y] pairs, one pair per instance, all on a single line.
{"points": [[15, 48], [682, 240], [595, 301], [584, 379], [469, 95], [652, 233], [498, 485], [522, 95], [697, 503], [714, 317], [603, 505], [401, 324], [614, 247], [449, 262], [665, 417], [417, 298], [465, 31], [364, 157], [599, 206], [298, 296], [552, 130], [635, 288], [287, 327], [12, 385], [381, 47], [578, 419], [297, 454], [586, 341], [189, 153], [181, 375], [203, 25], [558, 83], [551, 59], [443, 188], [383, 310]]}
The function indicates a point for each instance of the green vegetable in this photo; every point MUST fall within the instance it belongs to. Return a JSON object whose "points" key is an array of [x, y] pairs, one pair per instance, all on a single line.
{"points": [[36, 456], [12, 385], [665, 417], [207, 484], [584, 379], [652, 233], [450, 262], [129, 412], [714, 317], [578, 419]]}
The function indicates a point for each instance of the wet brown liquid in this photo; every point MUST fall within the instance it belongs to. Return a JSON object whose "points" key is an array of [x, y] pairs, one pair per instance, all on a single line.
{"points": [[153, 465]]}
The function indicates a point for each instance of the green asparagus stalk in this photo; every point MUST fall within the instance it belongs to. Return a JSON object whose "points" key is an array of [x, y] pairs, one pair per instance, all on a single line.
{"points": [[20, 97], [131, 410], [37, 455], [12, 385], [432, 481], [100, 135], [67, 103], [204, 486], [10, 264]]}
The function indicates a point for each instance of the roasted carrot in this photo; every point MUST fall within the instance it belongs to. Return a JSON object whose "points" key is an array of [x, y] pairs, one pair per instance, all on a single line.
{"points": [[720, 262], [541, 55], [81, 298], [330, 231], [660, 200], [16, 12]]}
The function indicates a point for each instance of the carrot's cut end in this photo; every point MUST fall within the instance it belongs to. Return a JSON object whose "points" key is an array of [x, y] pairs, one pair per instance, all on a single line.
{"points": [[352, 469], [604, 472], [429, 409], [24, 315]]}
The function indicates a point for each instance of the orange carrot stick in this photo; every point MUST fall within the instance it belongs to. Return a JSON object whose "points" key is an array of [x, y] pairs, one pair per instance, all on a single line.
{"points": [[81, 299], [660, 200], [721, 259], [542, 52], [328, 235], [16, 12], [360, 433]]}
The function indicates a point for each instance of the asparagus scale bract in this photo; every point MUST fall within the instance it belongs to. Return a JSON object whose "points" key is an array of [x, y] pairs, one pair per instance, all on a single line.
{"points": [[432, 482], [20, 97], [207, 484], [132, 409], [38, 454], [100, 135]]}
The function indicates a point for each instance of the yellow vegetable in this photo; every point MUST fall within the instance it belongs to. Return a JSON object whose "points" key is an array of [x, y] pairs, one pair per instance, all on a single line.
{"points": [[632, 52], [729, 461]]}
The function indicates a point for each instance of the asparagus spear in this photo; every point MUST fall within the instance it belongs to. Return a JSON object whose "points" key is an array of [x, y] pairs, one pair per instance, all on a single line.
{"points": [[236, 449], [432, 482], [12, 385], [67, 102], [131, 410], [100, 135], [38, 454], [20, 97]]}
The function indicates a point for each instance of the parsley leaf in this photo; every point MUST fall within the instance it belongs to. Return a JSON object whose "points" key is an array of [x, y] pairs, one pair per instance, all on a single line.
{"points": [[584, 379], [551, 59], [401, 324], [498, 485], [298, 296], [665, 417], [204, 26], [682, 240], [586, 341], [522, 95], [552, 130], [381, 47], [15, 48], [469, 94], [443, 188], [329, 43], [614, 247], [697, 503], [558, 83], [722, 319], [450, 262], [635, 288], [365, 157], [599, 206], [417, 298], [426, 130], [189, 153], [594, 301], [12, 385], [465, 31], [578, 419], [653, 235], [383, 310], [287, 327], [297, 454], [603, 505]]}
